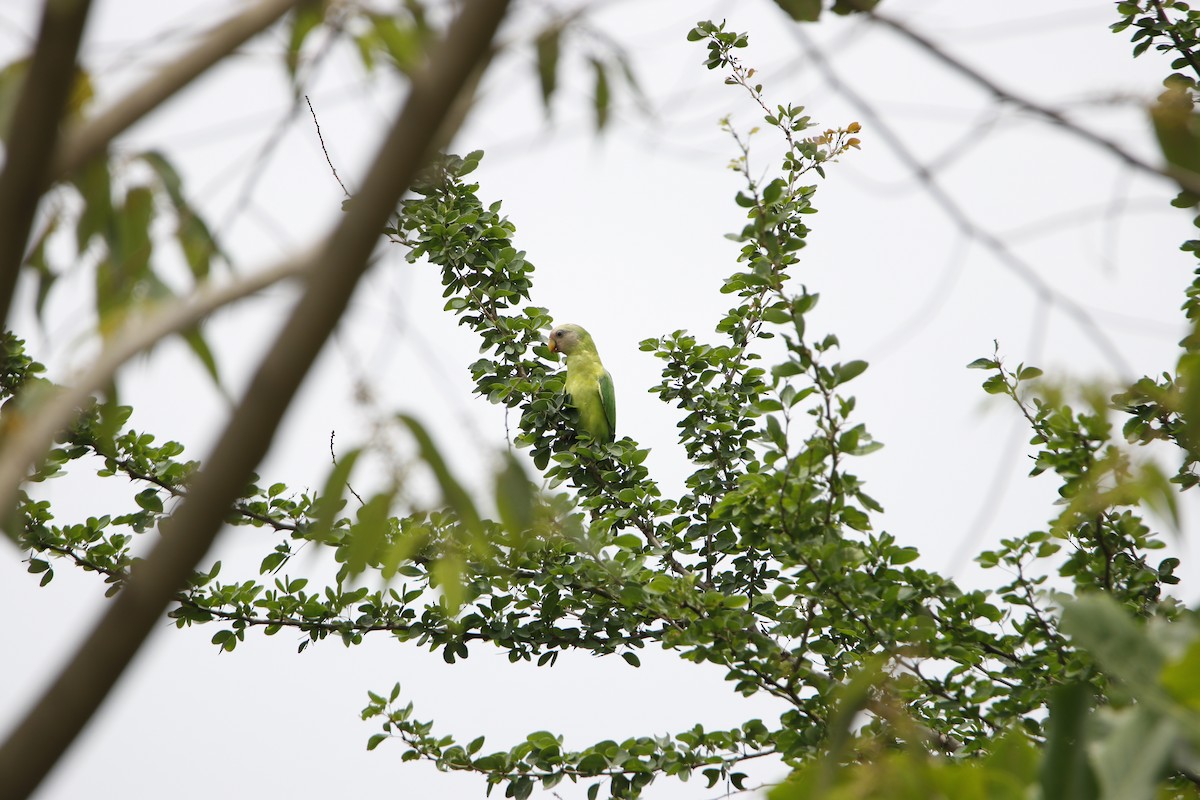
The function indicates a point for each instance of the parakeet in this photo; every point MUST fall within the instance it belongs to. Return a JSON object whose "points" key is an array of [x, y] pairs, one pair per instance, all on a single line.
{"points": [[588, 382]]}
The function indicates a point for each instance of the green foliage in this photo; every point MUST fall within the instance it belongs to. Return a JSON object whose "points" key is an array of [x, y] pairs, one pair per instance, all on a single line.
{"points": [[1072, 677]]}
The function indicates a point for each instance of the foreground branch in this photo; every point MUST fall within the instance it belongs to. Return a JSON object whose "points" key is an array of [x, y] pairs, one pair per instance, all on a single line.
{"points": [[88, 138], [33, 434], [73, 697], [34, 134]]}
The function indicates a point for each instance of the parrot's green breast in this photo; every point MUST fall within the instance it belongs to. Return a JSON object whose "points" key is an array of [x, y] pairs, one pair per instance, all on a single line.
{"points": [[587, 381]]}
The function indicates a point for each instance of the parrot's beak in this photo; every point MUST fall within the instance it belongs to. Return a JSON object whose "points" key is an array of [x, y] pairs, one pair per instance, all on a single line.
{"points": [[553, 348]]}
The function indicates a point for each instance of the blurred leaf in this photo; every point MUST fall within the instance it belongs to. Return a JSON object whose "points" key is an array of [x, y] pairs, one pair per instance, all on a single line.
{"points": [[168, 176], [1179, 677], [305, 18], [801, 10], [195, 240], [514, 497], [447, 574], [199, 346], [452, 491], [95, 185], [547, 46], [365, 540], [1189, 381], [403, 40], [1065, 772], [601, 97], [37, 261], [1121, 646], [845, 7], [128, 263], [330, 501], [1177, 127], [1134, 755]]}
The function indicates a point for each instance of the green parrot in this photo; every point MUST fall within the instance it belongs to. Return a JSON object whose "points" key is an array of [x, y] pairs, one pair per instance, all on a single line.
{"points": [[588, 382]]}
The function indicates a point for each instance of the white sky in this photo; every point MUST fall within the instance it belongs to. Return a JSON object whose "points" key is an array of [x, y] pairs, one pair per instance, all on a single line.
{"points": [[627, 233]]}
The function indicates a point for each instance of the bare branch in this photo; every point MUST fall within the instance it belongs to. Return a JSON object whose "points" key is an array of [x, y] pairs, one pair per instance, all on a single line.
{"points": [[999, 248], [88, 138], [54, 721], [34, 134], [1187, 181]]}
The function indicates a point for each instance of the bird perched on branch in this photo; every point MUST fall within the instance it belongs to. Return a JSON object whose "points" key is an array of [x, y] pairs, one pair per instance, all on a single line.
{"points": [[588, 382]]}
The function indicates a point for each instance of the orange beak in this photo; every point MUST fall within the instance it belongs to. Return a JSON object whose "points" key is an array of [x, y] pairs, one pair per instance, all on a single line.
{"points": [[553, 347]]}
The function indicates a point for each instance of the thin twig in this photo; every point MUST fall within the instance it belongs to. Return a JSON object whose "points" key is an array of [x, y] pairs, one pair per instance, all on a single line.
{"points": [[1000, 249], [1190, 182], [321, 139]]}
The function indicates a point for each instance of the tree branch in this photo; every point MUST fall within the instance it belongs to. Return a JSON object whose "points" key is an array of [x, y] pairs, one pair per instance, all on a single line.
{"points": [[34, 433], [34, 134], [76, 693], [1187, 181], [999, 248], [88, 138]]}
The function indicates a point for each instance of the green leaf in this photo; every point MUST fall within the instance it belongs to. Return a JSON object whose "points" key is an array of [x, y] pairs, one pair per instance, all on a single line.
{"points": [[306, 17], [844, 7], [1179, 678], [600, 94], [547, 46], [365, 540], [330, 502], [453, 493], [1065, 771], [199, 346], [1178, 129], [447, 574], [1099, 624], [844, 373], [95, 186], [1134, 754], [149, 500], [1029, 373], [514, 497], [402, 39], [801, 10]]}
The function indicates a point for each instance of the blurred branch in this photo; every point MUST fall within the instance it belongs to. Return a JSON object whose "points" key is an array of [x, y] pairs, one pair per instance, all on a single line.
{"points": [[1003, 253], [33, 435], [34, 134], [88, 138], [1189, 182], [54, 721]]}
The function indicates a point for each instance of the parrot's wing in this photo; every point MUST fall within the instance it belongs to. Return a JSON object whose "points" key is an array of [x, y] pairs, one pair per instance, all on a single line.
{"points": [[608, 397]]}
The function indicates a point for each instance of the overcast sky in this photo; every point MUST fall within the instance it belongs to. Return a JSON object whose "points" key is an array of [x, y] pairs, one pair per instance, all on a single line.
{"points": [[626, 230]]}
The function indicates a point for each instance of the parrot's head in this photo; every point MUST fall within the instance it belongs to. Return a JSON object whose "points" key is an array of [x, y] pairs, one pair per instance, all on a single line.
{"points": [[566, 339]]}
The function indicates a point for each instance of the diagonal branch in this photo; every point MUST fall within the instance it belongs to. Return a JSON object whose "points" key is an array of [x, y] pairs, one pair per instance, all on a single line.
{"points": [[34, 134], [71, 699], [969, 228], [31, 436], [1187, 181], [88, 138]]}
